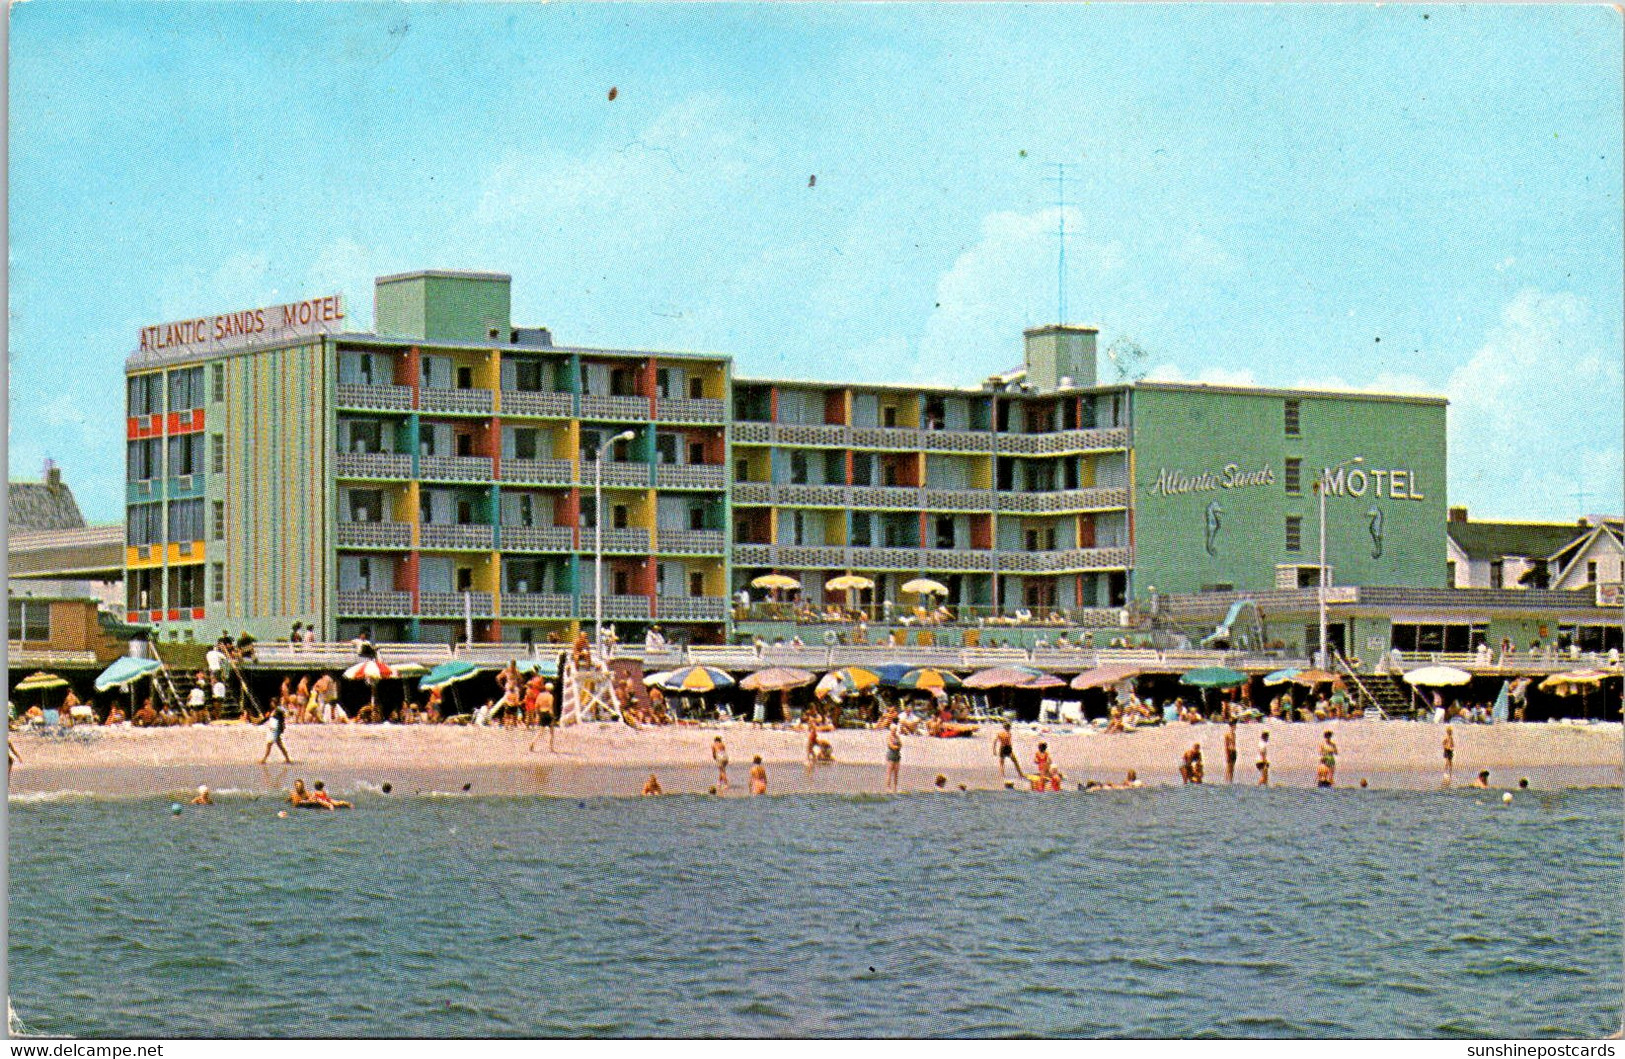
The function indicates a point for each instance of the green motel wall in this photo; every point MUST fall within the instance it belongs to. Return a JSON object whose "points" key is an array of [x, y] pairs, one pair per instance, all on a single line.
{"points": [[1211, 503]]}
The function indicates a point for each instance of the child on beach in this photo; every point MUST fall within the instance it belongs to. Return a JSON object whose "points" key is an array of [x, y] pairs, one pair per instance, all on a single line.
{"points": [[758, 775], [1263, 759], [719, 754], [1326, 774]]}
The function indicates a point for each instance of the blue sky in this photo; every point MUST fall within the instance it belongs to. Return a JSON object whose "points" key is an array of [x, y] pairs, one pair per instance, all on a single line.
{"points": [[1404, 198]]}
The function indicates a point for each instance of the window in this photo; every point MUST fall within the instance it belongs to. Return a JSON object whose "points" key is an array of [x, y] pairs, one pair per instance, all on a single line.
{"points": [[619, 516], [527, 510], [696, 583], [219, 532], [186, 455], [217, 575], [1591, 571], [798, 528], [742, 469], [185, 389], [696, 517], [1292, 423], [366, 435], [663, 378], [1497, 573], [186, 586], [798, 468], [527, 375], [1450, 573], [1294, 475], [524, 444], [145, 459], [465, 444], [888, 416], [696, 452], [426, 506], [465, 579], [666, 448], [1294, 533], [30, 621], [366, 505], [696, 387], [623, 382], [622, 583], [218, 373], [186, 520], [364, 364], [363, 572], [465, 513], [945, 532], [465, 378], [1449, 639], [146, 395], [217, 454]]}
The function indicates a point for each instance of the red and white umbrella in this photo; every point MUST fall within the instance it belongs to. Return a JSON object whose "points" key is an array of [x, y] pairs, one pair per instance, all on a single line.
{"points": [[369, 669]]}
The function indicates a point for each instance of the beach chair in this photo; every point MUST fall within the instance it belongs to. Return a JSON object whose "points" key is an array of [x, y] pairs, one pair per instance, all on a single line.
{"points": [[1072, 712]]}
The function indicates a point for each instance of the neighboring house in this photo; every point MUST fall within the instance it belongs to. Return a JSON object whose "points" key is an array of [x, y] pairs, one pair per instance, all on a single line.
{"points": [[1505, 554], [1595, 557], [51, 553]]}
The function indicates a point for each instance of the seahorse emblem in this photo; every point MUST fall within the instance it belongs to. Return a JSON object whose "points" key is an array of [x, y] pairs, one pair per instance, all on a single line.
{"points": [[1375, 528], [1213, 525]]}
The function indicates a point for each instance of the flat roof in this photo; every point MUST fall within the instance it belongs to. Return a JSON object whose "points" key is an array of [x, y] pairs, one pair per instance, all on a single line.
{"points": [[1289, 391], [443, 273]]}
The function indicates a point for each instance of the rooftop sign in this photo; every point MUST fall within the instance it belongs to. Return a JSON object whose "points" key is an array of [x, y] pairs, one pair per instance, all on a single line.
{"points": [[272, 325]]}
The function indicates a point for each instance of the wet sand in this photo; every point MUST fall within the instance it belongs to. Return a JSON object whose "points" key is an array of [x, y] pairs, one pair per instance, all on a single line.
{"points": [[614, 760]]}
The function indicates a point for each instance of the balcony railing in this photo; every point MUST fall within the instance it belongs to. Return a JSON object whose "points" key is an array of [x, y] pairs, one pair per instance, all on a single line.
{"points": [[437, 400], [594, 406], [1063, 500], [1071, 559], [616, 473], [455, 468], [616, 608], [374, 535], [957, 440], [691, 608], [538, 403], [1061, 442], [454, 605], [689, 476], [538, 538], [361, 603], [864, 496], [632, 540], [691, 542], [541, 472], [438, 535], [378, 398], [690, 410], [907, 438], [930, 559], [373, 465], [537, 605]]}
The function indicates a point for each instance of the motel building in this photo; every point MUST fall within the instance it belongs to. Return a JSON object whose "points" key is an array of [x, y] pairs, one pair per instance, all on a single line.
{"points": [[434, 480]]}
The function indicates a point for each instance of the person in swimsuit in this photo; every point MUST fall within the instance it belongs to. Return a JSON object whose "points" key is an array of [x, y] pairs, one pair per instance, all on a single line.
{"points": [[894, 754], [1041, 763], [1483, 780], [1263, 759], [203, 796], [719, 754], [1230, 752], [758, 776], [652, 786], [320, 797], [1190, 764], [812, 736], [1004, 750], [273, 735], [1326, 775], [1449, 755], [298, 796]]}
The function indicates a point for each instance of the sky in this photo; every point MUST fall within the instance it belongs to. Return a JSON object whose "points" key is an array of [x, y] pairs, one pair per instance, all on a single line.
{"points": [[1401, 198]]}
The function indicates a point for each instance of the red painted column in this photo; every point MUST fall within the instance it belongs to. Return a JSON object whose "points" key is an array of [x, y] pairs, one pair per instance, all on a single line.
{"points": [[414, 373], [493, 442], [773, 403], [570, 514], [650, 385]]}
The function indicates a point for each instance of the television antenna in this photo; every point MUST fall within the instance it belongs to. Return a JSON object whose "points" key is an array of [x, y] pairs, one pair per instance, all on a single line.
{"points": [[1060, 233]]}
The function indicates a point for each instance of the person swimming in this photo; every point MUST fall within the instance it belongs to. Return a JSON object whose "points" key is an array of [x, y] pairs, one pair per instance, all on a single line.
{"points": [[1482, 782], [651, 786], [203, 795], [326, 801]]}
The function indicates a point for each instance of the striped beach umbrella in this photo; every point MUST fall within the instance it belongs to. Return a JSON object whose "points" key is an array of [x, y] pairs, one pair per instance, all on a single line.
{"points": [[40, 682], [926, 678], [1003, 677], [779, 678], [370, 669], [697, 680], [846, 680]]}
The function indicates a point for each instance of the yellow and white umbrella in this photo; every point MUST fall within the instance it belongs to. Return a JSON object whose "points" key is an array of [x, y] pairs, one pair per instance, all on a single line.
{"points": [[848, 583], [1574, 682], [40, 682], [1437, 677], [776, 582], [924, 586]]}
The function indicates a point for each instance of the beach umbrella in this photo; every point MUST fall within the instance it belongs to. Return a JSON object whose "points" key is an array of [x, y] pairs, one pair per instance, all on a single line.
{"points": [[369, 669], [547, 667], [1280, 676], [1437, 676], [126, 671], [696, 680], [40, 682], [1214, 677], [928, 679], [411, 669], [892, 672], [775, 582], [654, 679], [447, 673], [1104, 676], [1048, 680], [779, 678], [847, 679], [1310, 677], [1574, 682], [1003, 677], [924, 586], [848, 583]]}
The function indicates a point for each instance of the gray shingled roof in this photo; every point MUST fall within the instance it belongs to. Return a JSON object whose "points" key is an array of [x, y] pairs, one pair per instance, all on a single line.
{"points": [[41, 506]]}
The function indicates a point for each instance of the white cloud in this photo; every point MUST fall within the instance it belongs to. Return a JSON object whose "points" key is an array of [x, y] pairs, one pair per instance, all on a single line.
{"points": [[1213, 375], [1535, 413]]}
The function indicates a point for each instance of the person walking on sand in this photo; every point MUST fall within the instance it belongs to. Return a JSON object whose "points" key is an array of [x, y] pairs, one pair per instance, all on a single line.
{"points": [[758, 776], [1449, 755], [1263, 759], [1326, 775], [894, 754], [1004, 749], [1230, 752], [719, 754], [274, 726]]}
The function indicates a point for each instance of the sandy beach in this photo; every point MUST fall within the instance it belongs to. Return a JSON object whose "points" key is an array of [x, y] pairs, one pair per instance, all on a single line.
{"points": [[614, 760]]}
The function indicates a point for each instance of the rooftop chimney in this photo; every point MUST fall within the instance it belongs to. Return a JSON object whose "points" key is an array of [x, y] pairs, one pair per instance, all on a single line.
{"points": [[1458, 514], [53, 476]]}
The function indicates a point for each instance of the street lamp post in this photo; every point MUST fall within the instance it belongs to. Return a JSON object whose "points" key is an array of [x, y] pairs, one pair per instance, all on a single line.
{"points": [[1322, 655], [598, 537]]}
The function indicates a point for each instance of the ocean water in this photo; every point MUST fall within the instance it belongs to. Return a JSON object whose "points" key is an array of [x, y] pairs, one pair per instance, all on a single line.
{"points": [[1158, 913]]}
